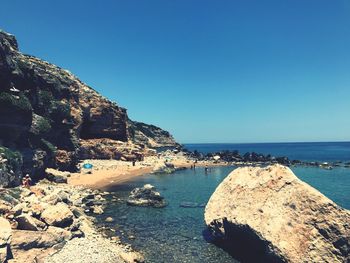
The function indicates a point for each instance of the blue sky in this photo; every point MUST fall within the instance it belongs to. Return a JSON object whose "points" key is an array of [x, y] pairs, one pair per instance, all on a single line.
{"points": [[207, 71]]}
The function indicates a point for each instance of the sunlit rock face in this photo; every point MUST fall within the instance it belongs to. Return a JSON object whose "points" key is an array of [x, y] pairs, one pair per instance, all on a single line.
{"points": [[269, 215], [46, 112]]}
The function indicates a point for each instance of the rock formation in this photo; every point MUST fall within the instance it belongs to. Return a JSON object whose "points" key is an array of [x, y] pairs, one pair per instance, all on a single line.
{"points": [[49, 118], [269, 215], [146, 196], [36, 223]]}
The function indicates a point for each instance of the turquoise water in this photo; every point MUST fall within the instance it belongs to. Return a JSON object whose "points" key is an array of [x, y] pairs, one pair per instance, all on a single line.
{"points": [[174, 234], [304, 151]]}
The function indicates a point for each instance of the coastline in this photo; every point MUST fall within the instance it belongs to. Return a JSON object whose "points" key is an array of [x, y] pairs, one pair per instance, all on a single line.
{"points": [[105, 173], [83, 196], [93, 183], [112, 172], [52, 223]]}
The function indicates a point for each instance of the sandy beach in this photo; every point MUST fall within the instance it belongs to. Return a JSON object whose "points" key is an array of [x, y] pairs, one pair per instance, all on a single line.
{"points": [[112, 172]]}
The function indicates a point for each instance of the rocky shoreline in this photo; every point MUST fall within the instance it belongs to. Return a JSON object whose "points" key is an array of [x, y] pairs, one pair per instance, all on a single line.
{"points": [[253, 158], [52, 223]]}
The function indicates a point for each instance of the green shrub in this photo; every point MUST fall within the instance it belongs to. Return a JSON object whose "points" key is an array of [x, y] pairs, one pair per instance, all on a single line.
{"points": [[45, 99], [14, 158], [60, 111], [20, 103], [48, 147], [43, 126]]}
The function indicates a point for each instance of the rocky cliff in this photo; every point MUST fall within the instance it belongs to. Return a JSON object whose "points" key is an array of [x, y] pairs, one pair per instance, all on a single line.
{"points": [[269, 215], [48, 117]]}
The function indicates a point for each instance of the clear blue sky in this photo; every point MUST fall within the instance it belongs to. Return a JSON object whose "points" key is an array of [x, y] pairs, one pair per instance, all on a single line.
{"points": [[207, 71]]}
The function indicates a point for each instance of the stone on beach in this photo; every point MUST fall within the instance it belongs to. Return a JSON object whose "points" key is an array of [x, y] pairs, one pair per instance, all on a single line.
{"points": [[5, 238], [27, 222], [58, 215], [57, 176], [268, 214]]}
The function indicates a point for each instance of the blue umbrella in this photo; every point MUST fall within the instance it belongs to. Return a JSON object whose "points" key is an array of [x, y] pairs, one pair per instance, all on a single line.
{"points": [[87, 165]]}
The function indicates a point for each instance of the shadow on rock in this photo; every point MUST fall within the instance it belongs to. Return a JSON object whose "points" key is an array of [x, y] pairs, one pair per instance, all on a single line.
{"points": [[241, 242]]}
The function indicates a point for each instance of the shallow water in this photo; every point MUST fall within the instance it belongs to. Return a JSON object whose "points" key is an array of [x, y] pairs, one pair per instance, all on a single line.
{"points": [[174, 233]]}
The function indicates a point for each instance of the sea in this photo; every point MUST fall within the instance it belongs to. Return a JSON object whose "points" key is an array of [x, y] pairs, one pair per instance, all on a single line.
{"points": [[175, 233]]}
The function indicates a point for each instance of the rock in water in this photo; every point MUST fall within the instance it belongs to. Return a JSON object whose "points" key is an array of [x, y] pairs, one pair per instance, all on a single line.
{"points": [[269, 215], [146, 196]]}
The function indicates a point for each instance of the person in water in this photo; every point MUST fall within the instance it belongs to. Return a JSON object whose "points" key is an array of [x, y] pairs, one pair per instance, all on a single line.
{"points": [[26, 181]]}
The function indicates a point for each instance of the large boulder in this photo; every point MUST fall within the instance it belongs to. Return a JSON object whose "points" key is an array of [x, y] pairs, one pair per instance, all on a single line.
{"points": [[26, 240], [269, 215], [58, 215]]}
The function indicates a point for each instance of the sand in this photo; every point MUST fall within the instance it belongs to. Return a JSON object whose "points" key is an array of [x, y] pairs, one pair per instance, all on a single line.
{"points": [[112, 172]]}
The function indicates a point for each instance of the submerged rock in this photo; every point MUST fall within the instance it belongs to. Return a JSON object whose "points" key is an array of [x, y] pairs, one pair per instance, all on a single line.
{"points": [[191, 205], [269, 215], [146, 196]]}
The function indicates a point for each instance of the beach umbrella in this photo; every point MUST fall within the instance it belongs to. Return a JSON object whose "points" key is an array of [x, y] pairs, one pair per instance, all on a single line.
{"points": [[87, 165]]}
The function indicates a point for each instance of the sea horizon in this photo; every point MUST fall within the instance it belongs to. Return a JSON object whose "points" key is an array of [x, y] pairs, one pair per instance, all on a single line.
{"points": [[277, 142]]}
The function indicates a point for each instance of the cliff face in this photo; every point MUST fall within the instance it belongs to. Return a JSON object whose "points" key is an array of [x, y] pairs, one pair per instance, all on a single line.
{"points": [[150, 135], [46, 114]]}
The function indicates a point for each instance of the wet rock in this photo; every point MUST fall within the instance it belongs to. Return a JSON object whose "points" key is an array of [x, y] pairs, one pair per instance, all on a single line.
{"points": [[169, 165], [269, 215], [77, 211], [146, 196], [109, 220], [132, 257], [97, 210]]}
